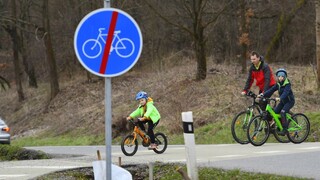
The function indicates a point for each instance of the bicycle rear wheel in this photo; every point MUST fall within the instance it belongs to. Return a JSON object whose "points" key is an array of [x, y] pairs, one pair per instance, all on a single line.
{"points": [[280, 138], [258, 131], [276, 133], [239, 127], [129, 145], [298, 130], [162, 143]]}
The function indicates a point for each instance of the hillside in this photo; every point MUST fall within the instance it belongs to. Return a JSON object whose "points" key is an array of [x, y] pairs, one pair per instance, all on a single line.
{"points": [[79, 107]]}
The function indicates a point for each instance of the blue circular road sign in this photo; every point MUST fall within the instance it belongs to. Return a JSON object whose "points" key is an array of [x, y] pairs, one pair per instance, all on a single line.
{"points": [[108, 42]]}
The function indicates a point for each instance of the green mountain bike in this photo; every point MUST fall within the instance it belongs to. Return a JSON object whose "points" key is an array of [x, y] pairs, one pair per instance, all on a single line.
{"points": [[259, 128], [239, 124]]}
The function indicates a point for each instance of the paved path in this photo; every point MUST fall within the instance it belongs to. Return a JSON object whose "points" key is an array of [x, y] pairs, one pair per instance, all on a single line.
{"points": [[270, 158]]}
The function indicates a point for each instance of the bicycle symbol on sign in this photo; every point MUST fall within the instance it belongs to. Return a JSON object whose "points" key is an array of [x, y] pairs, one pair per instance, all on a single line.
{"points": [[92, 48]]}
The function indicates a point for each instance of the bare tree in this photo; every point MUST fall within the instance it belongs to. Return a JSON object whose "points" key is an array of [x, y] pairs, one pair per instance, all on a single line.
{"points": [[317, 6], [23, 47], [245, 15], [12, 30], [53, 74], [201, 14], [283, 23]]}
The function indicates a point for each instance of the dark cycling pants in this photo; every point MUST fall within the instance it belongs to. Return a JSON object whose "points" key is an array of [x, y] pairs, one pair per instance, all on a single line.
{"points": [[283, 109], [150, 128]]}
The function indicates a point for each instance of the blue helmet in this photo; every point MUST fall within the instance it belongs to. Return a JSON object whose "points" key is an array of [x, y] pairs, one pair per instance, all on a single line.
{"points": [[281, 72], [141, 94]]}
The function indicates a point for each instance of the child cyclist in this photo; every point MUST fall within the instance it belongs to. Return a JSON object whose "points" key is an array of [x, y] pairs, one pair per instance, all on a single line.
{"points": [[148, 113], [286, 97]]}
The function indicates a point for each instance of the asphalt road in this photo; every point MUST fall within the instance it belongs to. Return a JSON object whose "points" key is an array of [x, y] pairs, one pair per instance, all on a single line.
{"points": [[299, 160]]}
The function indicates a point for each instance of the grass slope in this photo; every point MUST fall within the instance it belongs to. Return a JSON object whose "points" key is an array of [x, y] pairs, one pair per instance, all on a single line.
{"points": [[76, 115]]}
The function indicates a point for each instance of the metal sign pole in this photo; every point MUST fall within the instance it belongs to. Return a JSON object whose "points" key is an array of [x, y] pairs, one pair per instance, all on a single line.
{"points": [[96, 60], [108, 118], [107, 3], [108, 122]]}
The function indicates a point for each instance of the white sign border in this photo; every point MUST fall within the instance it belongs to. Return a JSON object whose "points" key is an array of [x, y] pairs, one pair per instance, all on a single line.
{"points": [[76, 35]]}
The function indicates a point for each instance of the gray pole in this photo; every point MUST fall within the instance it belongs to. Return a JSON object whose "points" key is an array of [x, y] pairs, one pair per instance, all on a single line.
{"points": [[107, 3], [108, 122], [108, 118]]}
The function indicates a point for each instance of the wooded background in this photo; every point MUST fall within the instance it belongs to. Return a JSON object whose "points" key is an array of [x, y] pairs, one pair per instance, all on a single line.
{"points": [[36, 36]]}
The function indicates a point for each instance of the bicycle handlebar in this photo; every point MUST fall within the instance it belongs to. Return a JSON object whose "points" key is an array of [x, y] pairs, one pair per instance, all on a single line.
{"points": [[254, 96], [134, 122], [251, 94], [268, 99]]}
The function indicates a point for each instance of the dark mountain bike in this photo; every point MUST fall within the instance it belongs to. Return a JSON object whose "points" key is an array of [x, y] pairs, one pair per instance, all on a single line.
{"points": [[258, 130]]}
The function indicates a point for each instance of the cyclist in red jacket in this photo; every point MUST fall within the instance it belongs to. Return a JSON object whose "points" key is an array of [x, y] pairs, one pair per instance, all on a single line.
{"points": [[262, 73]]}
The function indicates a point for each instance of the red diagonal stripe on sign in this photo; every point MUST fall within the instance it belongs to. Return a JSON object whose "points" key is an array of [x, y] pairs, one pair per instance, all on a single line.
{"points": [[106, 52]]}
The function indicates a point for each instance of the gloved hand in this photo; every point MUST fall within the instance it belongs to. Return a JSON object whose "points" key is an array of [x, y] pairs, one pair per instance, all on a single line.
{"points": [[260, 95], [243, 93], [277, 99], [141, 119], [128, 118]]}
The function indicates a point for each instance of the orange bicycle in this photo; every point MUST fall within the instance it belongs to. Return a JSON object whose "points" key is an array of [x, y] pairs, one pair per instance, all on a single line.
{"points": [[129, 144]]}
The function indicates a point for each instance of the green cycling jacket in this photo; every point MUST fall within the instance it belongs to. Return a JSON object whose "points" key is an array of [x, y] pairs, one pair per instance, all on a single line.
{"points": [[148, 111]]}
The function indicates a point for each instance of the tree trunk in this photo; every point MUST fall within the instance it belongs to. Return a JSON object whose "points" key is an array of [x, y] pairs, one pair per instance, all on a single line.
{"points": [[28, 65], [317, 5], [201, 58], [17, 69], [199, 41], [53, 75], [15, 43], [243, 40]]}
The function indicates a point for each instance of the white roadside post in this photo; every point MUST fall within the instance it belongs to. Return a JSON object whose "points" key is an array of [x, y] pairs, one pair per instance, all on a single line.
{"points": [[190, 145], [108, 118]]}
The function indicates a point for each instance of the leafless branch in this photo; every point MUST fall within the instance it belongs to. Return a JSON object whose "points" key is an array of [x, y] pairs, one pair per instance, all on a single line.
{"points": [[167, 20], [218, 15]]}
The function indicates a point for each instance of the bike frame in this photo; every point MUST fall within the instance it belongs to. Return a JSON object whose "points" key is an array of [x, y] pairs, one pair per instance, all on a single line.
{"points": [[250, 109], [137, 131], [254, 104], [277, 119]]}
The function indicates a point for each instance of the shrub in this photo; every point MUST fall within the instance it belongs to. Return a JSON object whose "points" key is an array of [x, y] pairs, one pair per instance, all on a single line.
{"points": [[9, 153]]}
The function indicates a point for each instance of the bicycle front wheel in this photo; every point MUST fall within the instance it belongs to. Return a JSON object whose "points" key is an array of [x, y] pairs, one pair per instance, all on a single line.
{"points": [[298, 130], [162, 143], [239, 126], [258, 131], [129, 145], [279, 137]]}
